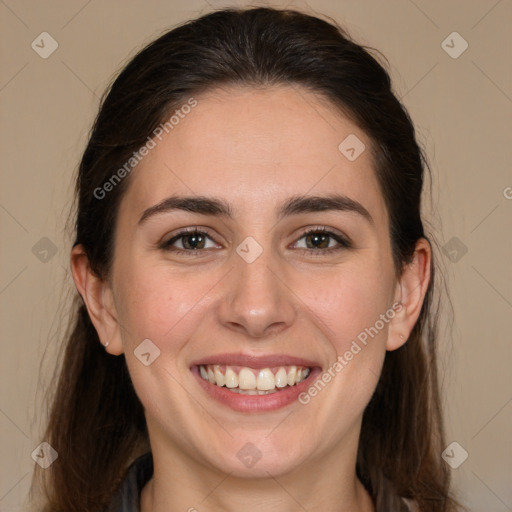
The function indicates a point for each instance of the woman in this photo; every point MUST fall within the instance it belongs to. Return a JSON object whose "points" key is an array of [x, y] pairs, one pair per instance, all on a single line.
{"points": [[254, 326]]}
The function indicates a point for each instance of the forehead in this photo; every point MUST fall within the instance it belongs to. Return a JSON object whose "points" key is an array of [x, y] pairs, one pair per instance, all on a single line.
{"points": [[256, 148]]}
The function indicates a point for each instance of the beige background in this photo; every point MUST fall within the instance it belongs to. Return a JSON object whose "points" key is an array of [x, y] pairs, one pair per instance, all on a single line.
{"points": [[462, 110]]}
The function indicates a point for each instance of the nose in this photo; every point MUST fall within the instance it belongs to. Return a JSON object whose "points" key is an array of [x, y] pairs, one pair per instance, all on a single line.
{"points": [[258, 301]]}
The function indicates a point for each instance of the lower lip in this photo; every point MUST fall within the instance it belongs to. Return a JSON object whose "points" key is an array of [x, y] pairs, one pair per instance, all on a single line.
{"points": [[256, 403]]}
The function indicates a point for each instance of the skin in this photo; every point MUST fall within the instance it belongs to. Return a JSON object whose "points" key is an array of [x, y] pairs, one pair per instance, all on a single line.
{"points": [[253, 148]]}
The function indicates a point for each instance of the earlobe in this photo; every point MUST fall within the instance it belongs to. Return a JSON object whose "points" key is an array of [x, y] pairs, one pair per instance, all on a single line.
{"points": [[411, 290], [397, 331], [98, 298]]}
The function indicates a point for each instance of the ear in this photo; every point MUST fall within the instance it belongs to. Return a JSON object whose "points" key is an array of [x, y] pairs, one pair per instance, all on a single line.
{"points": [[99, 300], [409, 294]]}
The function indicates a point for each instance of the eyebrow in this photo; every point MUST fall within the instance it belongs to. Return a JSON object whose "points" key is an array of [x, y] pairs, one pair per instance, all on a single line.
{"points": [[293, 206]]}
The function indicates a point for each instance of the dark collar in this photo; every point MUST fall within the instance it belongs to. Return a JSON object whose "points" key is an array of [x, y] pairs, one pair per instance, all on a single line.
{"points": [[127, 497]]}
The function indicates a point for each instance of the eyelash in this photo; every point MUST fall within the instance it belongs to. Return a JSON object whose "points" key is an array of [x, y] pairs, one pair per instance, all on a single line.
{"points": [[343, 242]]}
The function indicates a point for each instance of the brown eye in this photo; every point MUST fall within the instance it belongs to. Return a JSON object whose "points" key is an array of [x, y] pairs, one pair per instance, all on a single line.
{"points": [[323, 241], [191, 241]]}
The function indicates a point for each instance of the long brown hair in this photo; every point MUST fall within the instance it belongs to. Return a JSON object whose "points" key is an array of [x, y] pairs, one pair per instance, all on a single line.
{"points": [[96, 421]]}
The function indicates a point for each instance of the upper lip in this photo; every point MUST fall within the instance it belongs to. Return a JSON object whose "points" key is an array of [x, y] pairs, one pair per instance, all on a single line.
{"points": [[257, 362]]}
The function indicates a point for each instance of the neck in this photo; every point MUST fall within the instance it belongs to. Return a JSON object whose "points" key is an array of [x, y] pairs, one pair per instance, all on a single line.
{"points": [[231, 495], [183, 483]]}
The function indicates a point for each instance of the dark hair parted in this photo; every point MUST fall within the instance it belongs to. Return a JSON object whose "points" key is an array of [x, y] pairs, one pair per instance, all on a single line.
{"points": [[96, 420]]}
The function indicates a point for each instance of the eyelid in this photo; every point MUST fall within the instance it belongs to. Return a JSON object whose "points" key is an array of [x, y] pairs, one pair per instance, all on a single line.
{"points": [[343, 241], [182, 232], [326, 229]]}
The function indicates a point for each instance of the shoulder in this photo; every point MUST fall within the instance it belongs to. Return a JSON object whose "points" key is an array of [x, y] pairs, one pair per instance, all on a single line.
{"points": [[127, 497]]}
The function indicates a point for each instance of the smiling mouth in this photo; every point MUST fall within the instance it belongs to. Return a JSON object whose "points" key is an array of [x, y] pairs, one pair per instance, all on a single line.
{"points": [[251, 381]]}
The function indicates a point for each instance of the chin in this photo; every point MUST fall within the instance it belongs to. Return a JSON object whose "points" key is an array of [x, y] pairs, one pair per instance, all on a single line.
{"points": [[251, 460]]}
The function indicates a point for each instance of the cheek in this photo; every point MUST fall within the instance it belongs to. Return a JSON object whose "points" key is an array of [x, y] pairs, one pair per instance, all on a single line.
{"points": [[154, 302], [348, 301]]}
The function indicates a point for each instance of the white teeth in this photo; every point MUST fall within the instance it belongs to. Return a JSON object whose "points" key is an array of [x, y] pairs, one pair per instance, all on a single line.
{"points": [[292, 373], [252, 391], [281, 378], [246, 379], [250, 381], [219, 376], [230, 378], [265, 380]]}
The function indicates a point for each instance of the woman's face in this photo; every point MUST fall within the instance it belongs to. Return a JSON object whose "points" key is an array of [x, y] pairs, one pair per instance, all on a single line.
{"points": [[257, 296]]}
